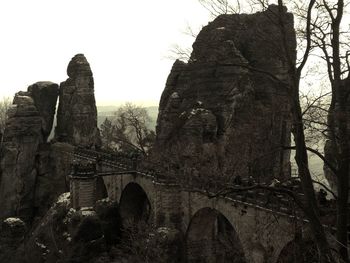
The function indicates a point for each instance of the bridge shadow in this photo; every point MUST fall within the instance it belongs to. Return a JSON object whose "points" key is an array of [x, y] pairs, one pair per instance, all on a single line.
{"points": [[101, 190], [299, 251], [134, 205], [211, 238]]}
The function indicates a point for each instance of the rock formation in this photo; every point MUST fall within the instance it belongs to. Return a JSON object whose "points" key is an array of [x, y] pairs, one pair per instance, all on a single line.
{"points": [[12, 234], [45, 95], [77, 114], [332, 145], [22, 161], [222, 113], [33, 171]]}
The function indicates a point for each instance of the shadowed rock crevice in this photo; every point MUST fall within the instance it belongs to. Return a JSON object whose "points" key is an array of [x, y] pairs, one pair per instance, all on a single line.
{"points": [[45, 98]]}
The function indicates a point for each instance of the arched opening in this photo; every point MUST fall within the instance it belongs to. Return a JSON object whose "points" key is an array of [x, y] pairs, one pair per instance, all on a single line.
{"points": [[101, 191], [134, 205], [210, 238], [299, 251]]}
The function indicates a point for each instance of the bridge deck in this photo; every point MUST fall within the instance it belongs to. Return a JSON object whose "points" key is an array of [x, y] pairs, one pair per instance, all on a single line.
{"points": [[130, 164]]}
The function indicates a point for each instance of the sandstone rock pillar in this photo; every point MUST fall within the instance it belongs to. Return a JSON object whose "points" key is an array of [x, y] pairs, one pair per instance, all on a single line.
{"points": [[27, 128], [77, 113]]}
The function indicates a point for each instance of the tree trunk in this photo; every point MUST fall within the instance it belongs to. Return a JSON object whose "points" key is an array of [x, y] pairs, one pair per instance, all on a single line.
{"points": [[311, 208], [341, 120]]}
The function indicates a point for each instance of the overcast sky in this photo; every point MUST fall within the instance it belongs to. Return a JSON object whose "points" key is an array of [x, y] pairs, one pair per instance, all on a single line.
{"points": [[126, 43]]}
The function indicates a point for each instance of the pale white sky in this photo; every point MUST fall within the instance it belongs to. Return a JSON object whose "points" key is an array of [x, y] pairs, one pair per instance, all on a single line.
{"points": [[126, 43]]}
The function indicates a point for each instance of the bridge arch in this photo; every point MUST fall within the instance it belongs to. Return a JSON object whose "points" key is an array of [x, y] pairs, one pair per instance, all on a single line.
{"points": [[134, 204], [298, 251], [211, 237]]}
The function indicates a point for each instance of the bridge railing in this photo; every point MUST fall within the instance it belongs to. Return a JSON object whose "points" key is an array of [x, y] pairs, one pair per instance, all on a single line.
{"points": [[214, 186], [127, 160], [275, 202], [190, 181]]}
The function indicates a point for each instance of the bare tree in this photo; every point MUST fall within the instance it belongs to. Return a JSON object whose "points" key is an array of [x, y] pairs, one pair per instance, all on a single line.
{"points": [[310, 207], [332, 39], [142, 242], [219, 7], [315, 113], [318, 28], [129, 130], [107, 134], [301, 155], [178, 52]]}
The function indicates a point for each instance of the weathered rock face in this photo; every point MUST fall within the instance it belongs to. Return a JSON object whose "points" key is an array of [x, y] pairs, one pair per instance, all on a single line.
{"points": [[67, 235], [11, 236], [220, 113], [33, 172], [22, 163], [51, 178], [77, 114]]}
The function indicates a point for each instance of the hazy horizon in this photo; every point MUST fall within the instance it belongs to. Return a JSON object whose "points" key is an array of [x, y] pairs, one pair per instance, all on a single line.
{"points": [[118, 103], [126, 43]]}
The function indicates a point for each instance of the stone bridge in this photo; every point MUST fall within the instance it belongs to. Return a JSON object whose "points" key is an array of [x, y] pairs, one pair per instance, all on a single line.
{"points": [[215, 229]]}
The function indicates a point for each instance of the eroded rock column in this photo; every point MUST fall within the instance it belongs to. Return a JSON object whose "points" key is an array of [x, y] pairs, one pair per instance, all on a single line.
{"points": [[27, 128], [77, 113]]}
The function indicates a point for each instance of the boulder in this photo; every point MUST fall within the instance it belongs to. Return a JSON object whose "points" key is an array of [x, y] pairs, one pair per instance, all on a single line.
{"points": [[11, 236]]}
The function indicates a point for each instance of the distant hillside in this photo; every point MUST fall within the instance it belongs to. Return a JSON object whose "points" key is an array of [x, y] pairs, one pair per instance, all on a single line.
{"points": [[104, 112]]}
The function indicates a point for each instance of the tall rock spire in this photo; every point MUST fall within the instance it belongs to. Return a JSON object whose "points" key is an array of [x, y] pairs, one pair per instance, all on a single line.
{"points": [[77, 113]]}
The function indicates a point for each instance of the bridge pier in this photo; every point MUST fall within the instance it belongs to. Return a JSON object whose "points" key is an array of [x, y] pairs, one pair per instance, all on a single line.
{"points": [[83, 181], [168, 206]]}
